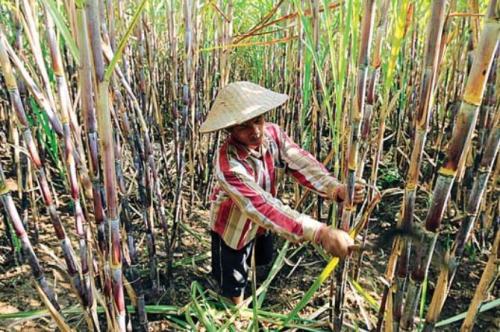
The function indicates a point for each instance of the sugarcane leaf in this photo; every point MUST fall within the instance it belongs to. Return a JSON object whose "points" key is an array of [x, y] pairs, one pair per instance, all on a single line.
{"points": [[187, 314], [484, 307], [178, 321], [7, 186], [373, 303], [190, 260], [200, 313], [398, 35], [423, 297], [61, 25], [15, 239], [118, 54], [56, 315], [150, 309], [50, 141]]}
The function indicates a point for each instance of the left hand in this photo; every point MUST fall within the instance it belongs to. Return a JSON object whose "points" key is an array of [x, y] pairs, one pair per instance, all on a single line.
{"points": [[340, 193]]}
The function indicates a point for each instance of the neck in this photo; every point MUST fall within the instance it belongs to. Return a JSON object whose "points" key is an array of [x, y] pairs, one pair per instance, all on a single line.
{"points": [[250, 147]]}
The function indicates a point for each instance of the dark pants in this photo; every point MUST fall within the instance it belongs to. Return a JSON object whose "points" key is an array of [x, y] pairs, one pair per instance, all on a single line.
{"points": [[230, 267]]}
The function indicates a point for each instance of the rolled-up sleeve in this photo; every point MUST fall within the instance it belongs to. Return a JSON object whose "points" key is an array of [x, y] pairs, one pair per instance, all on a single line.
{"points": [[260, 206]]}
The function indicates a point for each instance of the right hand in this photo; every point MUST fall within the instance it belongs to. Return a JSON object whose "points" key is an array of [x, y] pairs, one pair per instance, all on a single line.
{"points": [[335, 241], [340, 193]]}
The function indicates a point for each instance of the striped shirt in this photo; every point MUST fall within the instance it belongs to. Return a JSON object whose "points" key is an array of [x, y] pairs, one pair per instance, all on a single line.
{"points": [[244, 200]]}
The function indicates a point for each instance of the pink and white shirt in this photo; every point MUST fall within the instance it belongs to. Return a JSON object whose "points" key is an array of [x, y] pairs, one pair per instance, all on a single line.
{"points": [[244, 201]]}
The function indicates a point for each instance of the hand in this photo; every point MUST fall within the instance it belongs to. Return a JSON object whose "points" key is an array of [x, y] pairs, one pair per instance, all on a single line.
{"points": [[335, 241], [340, 193]]}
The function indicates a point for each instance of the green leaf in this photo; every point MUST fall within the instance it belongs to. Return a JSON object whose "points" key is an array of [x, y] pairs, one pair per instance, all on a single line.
{"points": [[118, 54], [484, 307], [373, 303], [150, 309], [200, 313], [423, 298]]}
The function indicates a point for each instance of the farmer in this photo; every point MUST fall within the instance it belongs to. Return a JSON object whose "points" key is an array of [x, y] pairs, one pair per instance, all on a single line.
{"points": [[244, 203]]}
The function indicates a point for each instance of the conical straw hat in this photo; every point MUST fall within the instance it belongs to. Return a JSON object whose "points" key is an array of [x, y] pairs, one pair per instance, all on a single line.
{"points": [[239, 102]]}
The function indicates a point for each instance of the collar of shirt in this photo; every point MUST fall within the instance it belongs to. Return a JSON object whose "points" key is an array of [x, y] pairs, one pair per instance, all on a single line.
{"points": [[244, 152]]}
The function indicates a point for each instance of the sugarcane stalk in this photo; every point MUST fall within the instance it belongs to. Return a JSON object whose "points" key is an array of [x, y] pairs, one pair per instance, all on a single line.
{"points": [[146, 170], [34, 209], [148, 215], [71, 263], [88, 113], [461, 136], [110, 184], [414, 283], [132, 259], [424, 108], [131, 271], [398, 35], [373, 74], [429, 77], [80, 221], [20, 160], [181, 129], [23, 170], [194, 151], [374, 70], [45, 103], [402, 266], [146, 167], [353, 147], [316, 96], [490, 274], [143, 156], [46, 294], [147, 197]]}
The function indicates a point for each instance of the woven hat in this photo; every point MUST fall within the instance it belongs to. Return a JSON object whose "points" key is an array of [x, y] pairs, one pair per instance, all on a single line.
{"points": [[239, 102]]}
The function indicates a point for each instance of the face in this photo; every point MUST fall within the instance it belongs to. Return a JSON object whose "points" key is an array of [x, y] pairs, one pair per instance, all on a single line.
{"points": [[249, 133]]}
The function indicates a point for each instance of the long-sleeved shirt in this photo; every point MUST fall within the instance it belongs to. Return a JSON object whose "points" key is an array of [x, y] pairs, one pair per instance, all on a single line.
{"points": [[244, 200]]}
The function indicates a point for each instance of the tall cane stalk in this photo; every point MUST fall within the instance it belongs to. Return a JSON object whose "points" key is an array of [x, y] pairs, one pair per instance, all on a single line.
{"points": [[80, 221], [105, 130], [356, 116], [424, 111]]}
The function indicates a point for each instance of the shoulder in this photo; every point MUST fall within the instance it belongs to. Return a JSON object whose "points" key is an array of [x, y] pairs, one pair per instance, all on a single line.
{"points": [[273, 130], [226, 150], [226, 158]]}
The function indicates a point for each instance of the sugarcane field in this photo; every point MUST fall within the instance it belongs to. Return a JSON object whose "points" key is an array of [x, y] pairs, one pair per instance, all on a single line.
{"points": [[237, 165]]}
